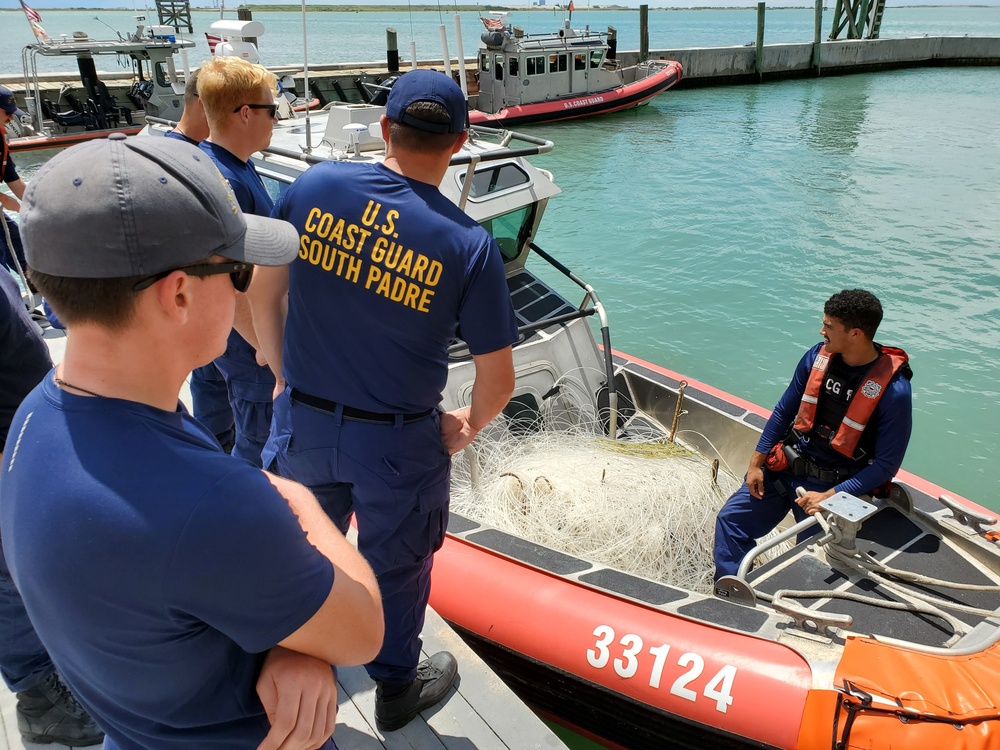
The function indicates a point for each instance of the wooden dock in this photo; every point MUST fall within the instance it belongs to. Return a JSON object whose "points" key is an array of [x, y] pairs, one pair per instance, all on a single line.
{"points": [[479, 713]]}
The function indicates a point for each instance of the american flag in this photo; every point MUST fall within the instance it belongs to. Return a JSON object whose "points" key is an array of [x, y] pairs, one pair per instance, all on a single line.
{"points": [[30, 12], [35, 20], [493, 24]]}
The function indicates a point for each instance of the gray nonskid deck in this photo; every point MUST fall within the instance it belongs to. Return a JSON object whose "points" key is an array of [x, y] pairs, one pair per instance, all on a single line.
{"points": [[480, 713]]}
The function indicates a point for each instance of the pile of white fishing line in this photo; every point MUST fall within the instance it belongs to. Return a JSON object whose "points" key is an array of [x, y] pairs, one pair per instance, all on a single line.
{"points": [[647, 508]]}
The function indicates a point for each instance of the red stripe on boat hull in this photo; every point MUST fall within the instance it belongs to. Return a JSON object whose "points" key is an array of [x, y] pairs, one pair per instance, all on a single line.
{"points": [[67, 139]]}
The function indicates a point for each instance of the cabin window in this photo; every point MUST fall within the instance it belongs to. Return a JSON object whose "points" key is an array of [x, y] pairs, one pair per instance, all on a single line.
{"points": [[498, 73], [484, 63], [579, 62], [495, 178], [512, 67], [535, 66], [557, 63], [162, 75], [596, 58], [510, 230]]}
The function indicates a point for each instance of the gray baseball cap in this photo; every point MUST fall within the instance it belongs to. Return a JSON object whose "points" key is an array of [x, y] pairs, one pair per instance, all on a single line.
{"points": [[136, 206]]}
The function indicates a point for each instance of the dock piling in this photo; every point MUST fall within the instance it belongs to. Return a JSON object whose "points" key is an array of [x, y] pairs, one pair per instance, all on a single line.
{"points": [[391, 51], [643, 32], [817, 34], [758, 60]]}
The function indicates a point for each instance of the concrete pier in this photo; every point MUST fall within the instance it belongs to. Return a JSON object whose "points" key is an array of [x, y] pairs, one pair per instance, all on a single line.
{"points": [[714, 66]]}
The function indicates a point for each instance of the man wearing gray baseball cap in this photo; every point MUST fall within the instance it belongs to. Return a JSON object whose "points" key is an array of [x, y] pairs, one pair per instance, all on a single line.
{"points": [[187, 598]]}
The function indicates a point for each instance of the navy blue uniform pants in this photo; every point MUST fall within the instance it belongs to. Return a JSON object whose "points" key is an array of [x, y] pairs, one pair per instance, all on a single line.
{"points": [[744, 518], [251, 390], [24, 662], [210, 402], [394, 478]]}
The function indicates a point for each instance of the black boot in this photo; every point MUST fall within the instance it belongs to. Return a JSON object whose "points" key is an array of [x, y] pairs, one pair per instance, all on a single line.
{"points": [[49, 713], [435, 676]]}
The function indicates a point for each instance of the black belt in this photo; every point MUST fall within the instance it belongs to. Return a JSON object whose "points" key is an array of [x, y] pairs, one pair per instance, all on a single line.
{"points": [[356, 415], [802, 467]]}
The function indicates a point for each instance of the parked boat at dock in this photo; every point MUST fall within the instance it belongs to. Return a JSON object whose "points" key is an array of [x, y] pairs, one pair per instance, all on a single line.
{"points": [[528, 78], [59, 118], [882, 632]]}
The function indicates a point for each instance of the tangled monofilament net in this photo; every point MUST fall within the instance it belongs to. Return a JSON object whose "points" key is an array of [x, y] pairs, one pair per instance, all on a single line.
{"points": [[647, 507]]}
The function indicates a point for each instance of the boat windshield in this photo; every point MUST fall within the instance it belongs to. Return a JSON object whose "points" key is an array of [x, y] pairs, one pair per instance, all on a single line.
{"points": [[511, 230]]}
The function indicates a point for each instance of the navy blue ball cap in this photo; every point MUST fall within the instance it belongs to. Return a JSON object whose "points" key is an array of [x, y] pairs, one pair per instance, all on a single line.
{"points": [[427, 86], [7, 103]]}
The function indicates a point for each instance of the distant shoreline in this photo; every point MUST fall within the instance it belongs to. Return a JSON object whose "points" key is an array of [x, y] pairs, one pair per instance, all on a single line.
{"points": [[475, 8]]}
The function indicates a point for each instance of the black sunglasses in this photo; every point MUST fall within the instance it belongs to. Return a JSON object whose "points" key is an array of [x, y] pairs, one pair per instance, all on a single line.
{"points": [[272, 109], [240, 274]]}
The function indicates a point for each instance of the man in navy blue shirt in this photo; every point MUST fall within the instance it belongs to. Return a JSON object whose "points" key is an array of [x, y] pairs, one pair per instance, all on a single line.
{"points": [[187, 598], [842, 425], [46, 710], [209, 392], [238, 100], [393, 269], [193, 126]]}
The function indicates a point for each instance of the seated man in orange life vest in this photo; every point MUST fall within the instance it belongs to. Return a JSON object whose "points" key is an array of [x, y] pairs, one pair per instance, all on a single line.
{"points": [[842, 425]]}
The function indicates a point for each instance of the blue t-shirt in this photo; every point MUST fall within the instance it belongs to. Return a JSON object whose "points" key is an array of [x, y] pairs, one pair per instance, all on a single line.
{"points": [[24, 358], [389, 272], [155, 568], [240, 361], [892, 422], [243, 179]]}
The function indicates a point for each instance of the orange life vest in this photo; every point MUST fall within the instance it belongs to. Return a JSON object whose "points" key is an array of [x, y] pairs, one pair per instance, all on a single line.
{"points": [[862, 404]]}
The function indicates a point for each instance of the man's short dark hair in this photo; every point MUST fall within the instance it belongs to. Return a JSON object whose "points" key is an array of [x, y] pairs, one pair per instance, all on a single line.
{"points": [[856, 308], [413, 139], [106, 302]]}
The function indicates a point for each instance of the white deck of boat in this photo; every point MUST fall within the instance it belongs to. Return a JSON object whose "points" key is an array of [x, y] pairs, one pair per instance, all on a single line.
{"points": [[480, 712]]}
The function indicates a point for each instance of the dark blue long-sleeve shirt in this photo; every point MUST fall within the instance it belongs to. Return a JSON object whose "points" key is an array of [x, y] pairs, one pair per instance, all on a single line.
{"points": [[892, 421]]}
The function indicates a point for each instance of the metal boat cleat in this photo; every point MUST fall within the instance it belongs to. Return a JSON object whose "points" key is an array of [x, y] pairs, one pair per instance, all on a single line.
{"points": [[810, 620], [966, 516]]}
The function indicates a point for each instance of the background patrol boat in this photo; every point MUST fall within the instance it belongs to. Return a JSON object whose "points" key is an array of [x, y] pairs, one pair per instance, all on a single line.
{"points": [[578, 563], [526, 78]]}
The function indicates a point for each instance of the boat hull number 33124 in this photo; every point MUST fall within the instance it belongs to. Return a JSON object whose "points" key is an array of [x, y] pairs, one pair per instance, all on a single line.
{"points": [[718, 689]]}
